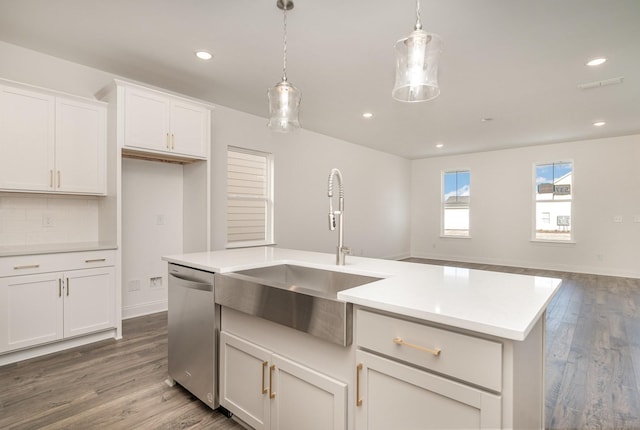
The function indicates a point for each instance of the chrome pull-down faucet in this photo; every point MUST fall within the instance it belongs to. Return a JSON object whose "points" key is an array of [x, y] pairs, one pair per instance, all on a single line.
{"points": [[341, 250]]}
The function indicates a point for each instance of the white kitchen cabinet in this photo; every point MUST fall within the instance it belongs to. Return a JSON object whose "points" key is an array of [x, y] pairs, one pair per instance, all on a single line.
{"points": [[268, 391], [31, 310], [81, 142], [51, 143], [161, 123], [392, 395], [39, 307], [27, 133]]}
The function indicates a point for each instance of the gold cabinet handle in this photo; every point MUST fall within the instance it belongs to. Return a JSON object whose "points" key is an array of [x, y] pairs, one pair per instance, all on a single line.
{"points": [[67, 287], [26, 266], [264, 367], [168, 145], [50, 178], [95, 260], [59, 287], [358, 370], [434, 351], [272, 395], [173, 141], [59, 182]]}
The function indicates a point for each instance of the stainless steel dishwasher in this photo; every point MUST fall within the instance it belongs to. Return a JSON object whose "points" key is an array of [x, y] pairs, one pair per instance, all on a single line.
{"points": [[194, 325]]}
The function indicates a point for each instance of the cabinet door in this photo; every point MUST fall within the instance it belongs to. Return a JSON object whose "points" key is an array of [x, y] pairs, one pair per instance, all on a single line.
{"points": [[80, 147], [396, 396], [189, 129], [31, 309], [146, 120], [306, 399], [89, 300], [26, 140], [244, 380]]}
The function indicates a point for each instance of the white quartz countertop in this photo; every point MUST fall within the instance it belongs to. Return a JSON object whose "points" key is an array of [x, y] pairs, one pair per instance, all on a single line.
{"points": [[494, 303], [54, 248]]}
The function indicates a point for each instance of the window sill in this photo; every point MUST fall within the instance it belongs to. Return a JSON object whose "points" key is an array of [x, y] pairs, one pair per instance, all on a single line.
{"points": [[442, 236], [560, 242], [249, 244]]}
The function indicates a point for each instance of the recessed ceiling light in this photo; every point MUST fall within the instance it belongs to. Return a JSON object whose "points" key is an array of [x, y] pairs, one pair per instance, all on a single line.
{"points": [[367, 115], [204, 55], [599, 123], [596, 61], [439, 145]]}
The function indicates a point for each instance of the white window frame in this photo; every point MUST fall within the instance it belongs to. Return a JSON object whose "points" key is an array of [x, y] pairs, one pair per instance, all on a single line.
{"points": [[534, 212], [267, 198], [442, 205]]}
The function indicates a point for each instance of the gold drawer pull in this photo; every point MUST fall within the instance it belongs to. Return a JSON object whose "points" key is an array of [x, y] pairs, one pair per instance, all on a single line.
{"points": [[434, 351], [59, 287], [95, 260], [27, 266], [272, 395], [264, 367], [358, 370]]}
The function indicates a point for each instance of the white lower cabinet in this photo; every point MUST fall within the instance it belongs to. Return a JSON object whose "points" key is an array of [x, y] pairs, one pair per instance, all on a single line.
{"points": [[392, 395], [414, 376], [41, 308], [269, 391]]}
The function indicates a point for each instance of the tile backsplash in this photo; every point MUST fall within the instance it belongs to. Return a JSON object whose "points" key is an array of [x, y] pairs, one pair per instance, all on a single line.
{"points": [[34, 220]]}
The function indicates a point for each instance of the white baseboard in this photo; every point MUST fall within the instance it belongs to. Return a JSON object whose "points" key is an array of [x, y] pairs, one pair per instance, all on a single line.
{"points": [[141, 309]]}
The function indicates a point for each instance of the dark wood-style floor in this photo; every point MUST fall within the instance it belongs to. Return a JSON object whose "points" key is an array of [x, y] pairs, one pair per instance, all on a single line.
{"points": [[592, 370]]}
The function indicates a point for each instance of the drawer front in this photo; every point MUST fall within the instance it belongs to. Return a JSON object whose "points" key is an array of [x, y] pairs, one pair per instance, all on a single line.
{"points": [[474, 360], [44, 263]]}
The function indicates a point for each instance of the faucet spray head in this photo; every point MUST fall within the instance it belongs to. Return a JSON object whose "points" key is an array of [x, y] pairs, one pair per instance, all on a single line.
{"points": [[332, 221]]}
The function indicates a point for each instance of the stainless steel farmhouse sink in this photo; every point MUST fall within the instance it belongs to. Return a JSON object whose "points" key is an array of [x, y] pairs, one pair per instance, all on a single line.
{"points": [[299, 297]]}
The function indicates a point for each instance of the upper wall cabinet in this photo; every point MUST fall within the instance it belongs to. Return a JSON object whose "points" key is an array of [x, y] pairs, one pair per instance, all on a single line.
{"points": [[160, 125], [51, 143]]}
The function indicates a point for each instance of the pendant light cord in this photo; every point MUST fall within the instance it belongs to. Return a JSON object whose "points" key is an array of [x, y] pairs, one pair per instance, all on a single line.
{"points": [[418, 22], [284, 45]]}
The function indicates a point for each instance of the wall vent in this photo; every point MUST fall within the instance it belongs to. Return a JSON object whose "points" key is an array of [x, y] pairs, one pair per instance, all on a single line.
{"points": [[598, 84]]}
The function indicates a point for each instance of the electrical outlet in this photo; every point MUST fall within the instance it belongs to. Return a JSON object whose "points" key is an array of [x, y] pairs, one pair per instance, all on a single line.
{"points": [[133, 285], [155, 282], [159, 219], [47, 220], [617, 218], [636, 218]]}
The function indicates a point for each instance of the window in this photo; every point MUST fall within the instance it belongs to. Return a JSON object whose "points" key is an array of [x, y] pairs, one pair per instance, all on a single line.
{"points": [[456, 194], [553, 194], [249, 198]]}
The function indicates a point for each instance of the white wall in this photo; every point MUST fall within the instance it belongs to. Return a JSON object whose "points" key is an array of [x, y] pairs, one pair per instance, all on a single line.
{"points": [[151, 228], [606, 184], [376, 187]]}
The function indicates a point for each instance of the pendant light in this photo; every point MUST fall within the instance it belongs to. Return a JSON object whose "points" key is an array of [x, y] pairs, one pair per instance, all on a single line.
{"points": [[417, 65], [284, 98]]}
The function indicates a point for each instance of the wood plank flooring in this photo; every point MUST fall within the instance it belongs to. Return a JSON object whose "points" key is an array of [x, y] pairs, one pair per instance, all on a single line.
{"points": [[106, 385], [592, 369]]}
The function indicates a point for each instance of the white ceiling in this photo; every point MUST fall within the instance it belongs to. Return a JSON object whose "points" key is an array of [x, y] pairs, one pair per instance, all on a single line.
{"points": [[516, 61]]}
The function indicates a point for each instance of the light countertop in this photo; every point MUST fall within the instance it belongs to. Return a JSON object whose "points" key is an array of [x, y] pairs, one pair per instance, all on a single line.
{"points": [[498, 304], [54, 248]]}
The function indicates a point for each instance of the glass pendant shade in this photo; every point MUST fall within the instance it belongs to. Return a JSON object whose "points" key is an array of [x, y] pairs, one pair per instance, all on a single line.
{"points": [[417, 59], [284, 104]]}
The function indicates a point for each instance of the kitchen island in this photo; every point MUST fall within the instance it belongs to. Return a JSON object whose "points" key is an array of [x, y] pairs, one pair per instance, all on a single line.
{"points": [[433, 347]]}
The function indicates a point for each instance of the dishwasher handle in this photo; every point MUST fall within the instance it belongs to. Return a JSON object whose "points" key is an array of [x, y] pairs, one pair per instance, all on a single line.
{"points": [[192, 284]]}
